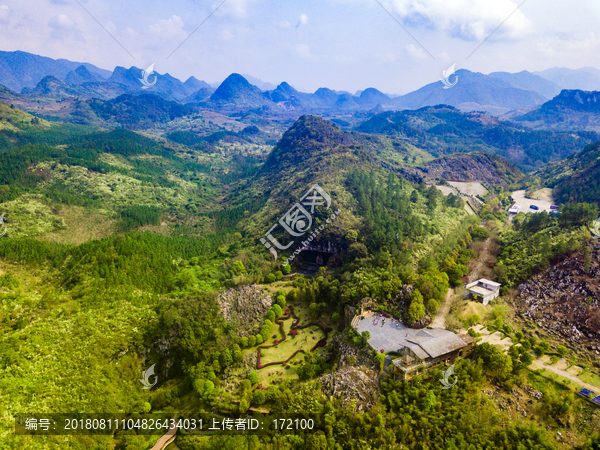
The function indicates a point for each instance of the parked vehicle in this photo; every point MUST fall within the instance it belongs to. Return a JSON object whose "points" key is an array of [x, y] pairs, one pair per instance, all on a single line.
{"points": [[535, 208], [553, 207]]}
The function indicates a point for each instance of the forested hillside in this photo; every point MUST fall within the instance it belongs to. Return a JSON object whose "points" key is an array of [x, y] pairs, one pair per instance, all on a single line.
{"points": [[125, 250], [442, 129], [575, 179]]}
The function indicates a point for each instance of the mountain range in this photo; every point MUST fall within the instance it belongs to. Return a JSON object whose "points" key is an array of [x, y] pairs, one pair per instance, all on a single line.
{"points": [[496, 93]]}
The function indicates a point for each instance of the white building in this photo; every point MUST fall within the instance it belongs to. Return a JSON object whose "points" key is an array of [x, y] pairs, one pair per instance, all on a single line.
{"points": [[484, 289]]}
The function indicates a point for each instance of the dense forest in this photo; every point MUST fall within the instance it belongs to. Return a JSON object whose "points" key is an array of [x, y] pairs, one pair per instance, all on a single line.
{"points": [[82, 314]]}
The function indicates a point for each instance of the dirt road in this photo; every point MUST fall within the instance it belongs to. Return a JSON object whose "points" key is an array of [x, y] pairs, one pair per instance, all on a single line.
{"points": [[439, 321], [537, 364], [161, 443]]}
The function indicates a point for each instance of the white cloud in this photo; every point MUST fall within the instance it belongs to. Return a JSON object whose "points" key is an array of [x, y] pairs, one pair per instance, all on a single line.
{"points": [[284, 24], [558, 48], [302, 20], [111, 27], [168, 27], [61, 22], [303, 50], [464, 19], [415, 52], [385, 58], [4, 12]]}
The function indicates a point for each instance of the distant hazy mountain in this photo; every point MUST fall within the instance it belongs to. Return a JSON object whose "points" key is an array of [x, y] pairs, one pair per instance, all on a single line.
{"points": [[52, 88], [587, 78], [21, 69], [570, 110], [473, 91], [371, 97], [236, 91], [192, 84], [81, 75], [262, 85], [530, 82], [166, 86]]}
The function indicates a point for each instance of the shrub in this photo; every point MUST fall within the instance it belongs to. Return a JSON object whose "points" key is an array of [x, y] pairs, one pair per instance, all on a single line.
{"points": [[281, 300], [277, 310], [259, 339], [259, 397], [253, 377], [251, 341], [561, 350]]}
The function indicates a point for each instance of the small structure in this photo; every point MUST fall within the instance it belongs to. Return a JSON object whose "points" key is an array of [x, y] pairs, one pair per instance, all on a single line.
{"points": [[514, 209], [429, 348], [484, 289], [414, 349]]}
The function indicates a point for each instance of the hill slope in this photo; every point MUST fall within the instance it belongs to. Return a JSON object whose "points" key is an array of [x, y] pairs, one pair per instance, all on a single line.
{"points": [[577, 178], [570, 110], [444, 130]]}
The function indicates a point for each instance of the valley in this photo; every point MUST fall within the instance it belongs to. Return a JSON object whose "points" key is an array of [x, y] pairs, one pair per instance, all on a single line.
{"points": [[156, 228]]}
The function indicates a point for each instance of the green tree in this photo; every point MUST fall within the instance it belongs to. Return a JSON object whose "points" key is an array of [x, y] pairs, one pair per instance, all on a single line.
{"points": [[561, 350], [416, 310], [281, 300], [286, 269], [253, 377], [277, 309], [251, 341], [259, 339], [238, 268], [237, 356], [526, 358], [258, 398], [314, 309], [226, 359], [335, 317], [519, 335], [365, 337], [429, 401], [578, 214], [432, 306]]}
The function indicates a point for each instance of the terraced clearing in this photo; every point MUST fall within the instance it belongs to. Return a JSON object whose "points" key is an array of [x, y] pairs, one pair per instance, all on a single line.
{"points": [[305, 340]]}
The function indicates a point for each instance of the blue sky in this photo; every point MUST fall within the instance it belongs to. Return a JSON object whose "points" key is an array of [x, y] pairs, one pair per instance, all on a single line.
{"points": [[341, 44]]}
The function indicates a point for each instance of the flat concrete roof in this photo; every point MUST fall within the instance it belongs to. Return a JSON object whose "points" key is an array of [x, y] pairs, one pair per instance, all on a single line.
{"points": [[392, 336], [481, 290], [490, 282]]}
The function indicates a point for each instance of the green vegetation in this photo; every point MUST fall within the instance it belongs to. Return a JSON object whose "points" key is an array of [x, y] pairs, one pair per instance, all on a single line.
{"points": [[79, 322], [538, 239]]}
